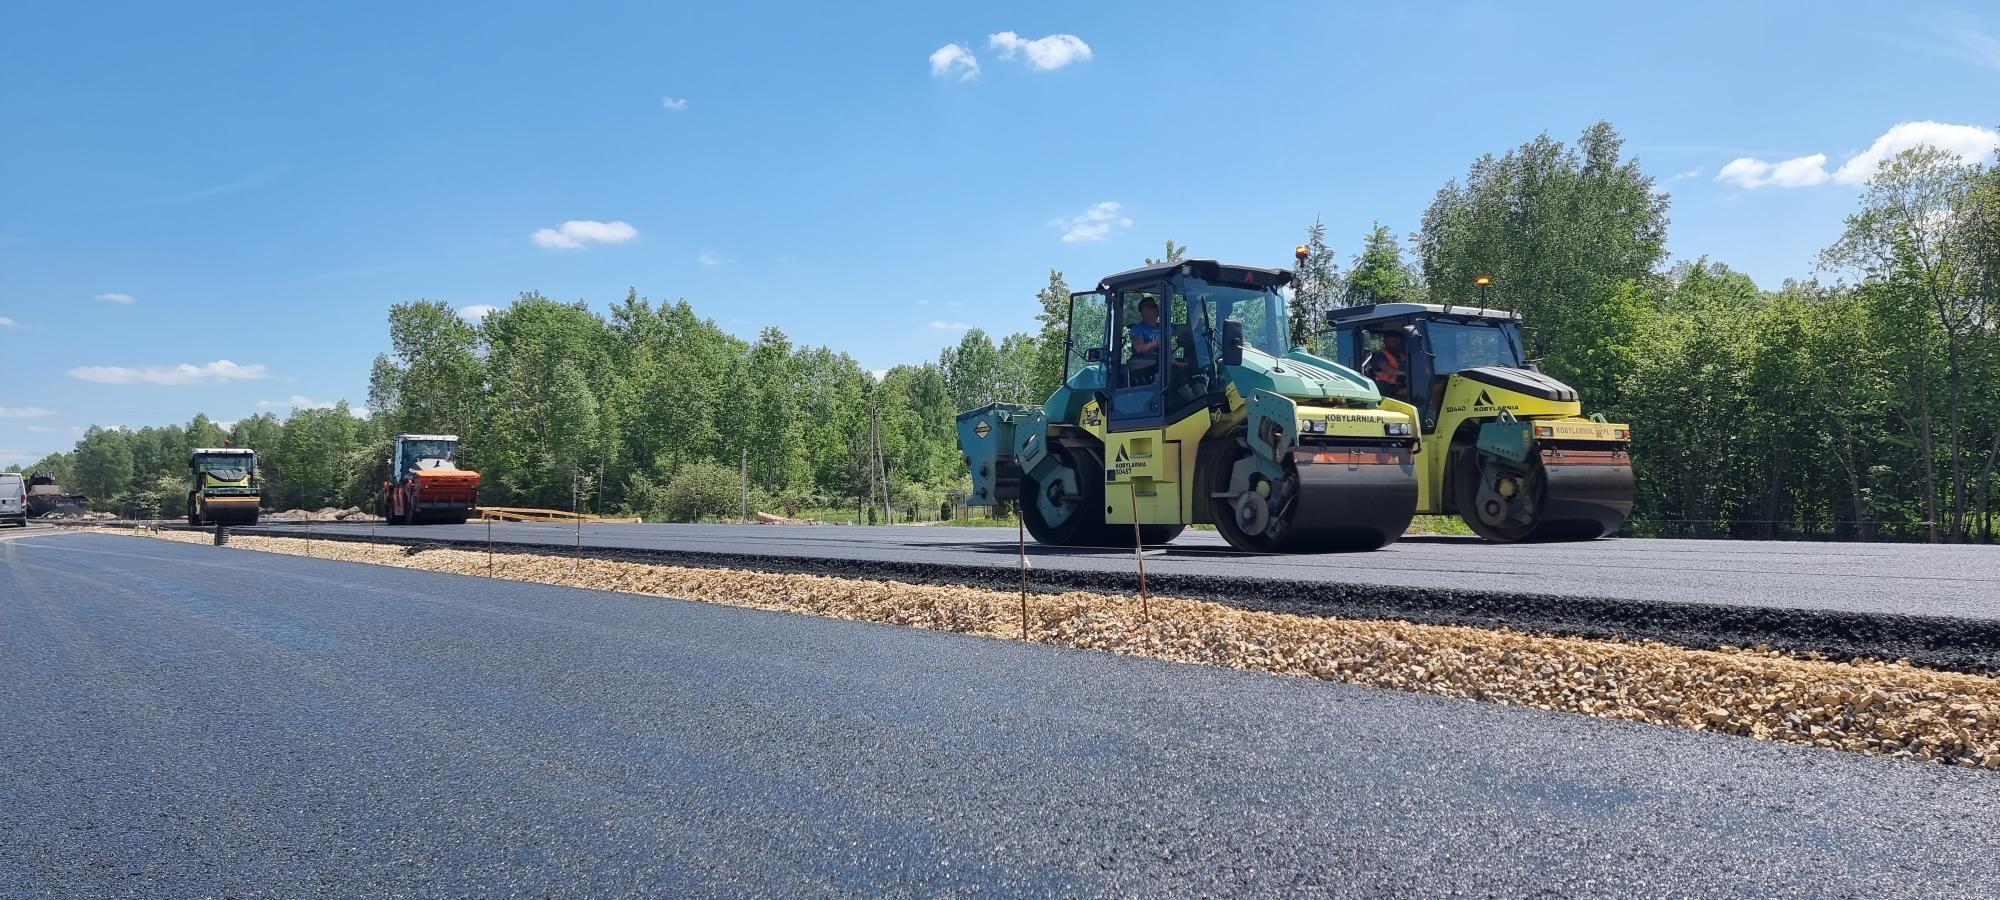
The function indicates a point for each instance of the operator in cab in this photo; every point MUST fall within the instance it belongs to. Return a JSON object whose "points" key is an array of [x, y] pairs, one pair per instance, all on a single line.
{"points": [[1145, 343], [1388, 367]]}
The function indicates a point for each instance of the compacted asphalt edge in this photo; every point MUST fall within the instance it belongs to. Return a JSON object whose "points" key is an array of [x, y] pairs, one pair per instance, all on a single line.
{"points": [[1953, 643]]}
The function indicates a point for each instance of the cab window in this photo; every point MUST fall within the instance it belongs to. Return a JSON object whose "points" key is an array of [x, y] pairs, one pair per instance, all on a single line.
{"points": [[1457, 346]]}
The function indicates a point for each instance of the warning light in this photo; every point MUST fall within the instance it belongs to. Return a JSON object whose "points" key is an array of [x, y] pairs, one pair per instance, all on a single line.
{"points": [[1301, 252], [1483, 280]]}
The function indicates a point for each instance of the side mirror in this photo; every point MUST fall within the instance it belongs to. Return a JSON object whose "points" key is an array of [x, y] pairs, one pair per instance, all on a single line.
{"points": [[1093, 355], [1232, 342], [1413, 338]]}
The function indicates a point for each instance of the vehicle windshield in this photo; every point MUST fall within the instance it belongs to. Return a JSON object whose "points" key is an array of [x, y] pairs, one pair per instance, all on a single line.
{"points": [[1262, 311], [225, 463], [416, 450], [1457, 346]]}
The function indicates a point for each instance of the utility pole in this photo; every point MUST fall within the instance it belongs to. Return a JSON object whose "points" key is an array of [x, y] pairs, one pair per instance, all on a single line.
{"points": [[743, 475]]}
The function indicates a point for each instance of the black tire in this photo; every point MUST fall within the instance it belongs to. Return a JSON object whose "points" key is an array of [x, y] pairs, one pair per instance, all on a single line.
{"points": [[1084, 527], [1155, 535]]}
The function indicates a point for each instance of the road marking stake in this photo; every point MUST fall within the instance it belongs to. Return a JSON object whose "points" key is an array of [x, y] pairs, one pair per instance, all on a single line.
{"points": [[1139, 555], [1021, 537]]}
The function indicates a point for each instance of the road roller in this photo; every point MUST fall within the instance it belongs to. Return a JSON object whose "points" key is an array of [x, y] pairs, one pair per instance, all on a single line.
{"points": [[1503, 446], [224, 487], [1183, 402]]}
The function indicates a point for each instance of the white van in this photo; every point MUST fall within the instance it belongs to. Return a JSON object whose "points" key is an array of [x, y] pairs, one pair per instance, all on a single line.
{"points": [[13, 499]]}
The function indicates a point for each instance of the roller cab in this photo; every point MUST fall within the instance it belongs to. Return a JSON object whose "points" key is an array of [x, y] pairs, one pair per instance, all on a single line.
{"points": [[1504, 447]]}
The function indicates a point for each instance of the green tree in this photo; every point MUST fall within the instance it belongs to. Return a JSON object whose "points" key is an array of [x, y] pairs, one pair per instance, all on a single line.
{"points": [[547, 423], [971, 370], [1050, 346], [1911, 237], [1317, 289], [431, 381], [101, 466], [313, 458], [1380, 275], [1560, 229]]}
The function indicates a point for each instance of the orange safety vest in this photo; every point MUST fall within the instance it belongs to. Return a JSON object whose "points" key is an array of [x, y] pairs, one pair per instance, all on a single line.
{"points": [[1389, 368]]}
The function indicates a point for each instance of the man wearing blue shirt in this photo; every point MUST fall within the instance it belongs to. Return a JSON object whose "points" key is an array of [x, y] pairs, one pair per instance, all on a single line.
{"points": [[1145, 342]]}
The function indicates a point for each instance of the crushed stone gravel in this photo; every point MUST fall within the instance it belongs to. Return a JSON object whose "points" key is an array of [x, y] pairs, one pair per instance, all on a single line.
{"points": [[1889, 709]]}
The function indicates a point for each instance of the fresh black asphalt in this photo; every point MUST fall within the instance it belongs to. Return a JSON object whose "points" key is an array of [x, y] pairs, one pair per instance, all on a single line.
{"points": [[1937, 605], [184, 720]]}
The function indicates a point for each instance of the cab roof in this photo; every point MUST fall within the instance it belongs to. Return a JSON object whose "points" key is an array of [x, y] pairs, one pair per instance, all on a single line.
{"points": [[223, 451], [1205, 269], [426, 437], [1375, 312]]}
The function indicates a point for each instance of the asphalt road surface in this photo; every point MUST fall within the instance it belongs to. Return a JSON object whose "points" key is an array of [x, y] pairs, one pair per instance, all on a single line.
{"points": [[1903, 579], [188, 720]]}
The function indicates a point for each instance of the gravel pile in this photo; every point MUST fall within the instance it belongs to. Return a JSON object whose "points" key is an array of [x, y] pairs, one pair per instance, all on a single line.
{"points": [[1888, 709]]}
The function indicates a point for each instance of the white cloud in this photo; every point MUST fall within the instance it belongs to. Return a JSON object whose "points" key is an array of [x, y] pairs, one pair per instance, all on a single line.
{"points": [[673, 104], [476, 312], [879, 373], [118, 298], [25, 412], [1094, 224], [943, 325], [12, 457], [206, 373], [295, 401], [8, 323], [1695, 172], [41, 429], [954, 59], [575, 233], [1043, 54], [710, 258], [1970, 143], [1750, 173]]}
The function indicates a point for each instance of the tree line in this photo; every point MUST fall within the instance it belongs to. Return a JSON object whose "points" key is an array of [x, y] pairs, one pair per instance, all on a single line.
{"points": [[1862, 404]]}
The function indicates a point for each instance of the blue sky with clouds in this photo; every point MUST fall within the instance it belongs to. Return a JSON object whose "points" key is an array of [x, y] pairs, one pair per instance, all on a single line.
{"points": [[210, 208]]}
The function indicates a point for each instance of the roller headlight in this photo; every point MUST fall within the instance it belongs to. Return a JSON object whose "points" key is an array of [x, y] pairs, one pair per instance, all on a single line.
{"points": [[1399, 429]]}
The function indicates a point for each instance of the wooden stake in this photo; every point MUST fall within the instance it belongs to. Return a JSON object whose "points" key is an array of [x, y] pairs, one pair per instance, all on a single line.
{"points": [[1021, 535], [1139, 556]]}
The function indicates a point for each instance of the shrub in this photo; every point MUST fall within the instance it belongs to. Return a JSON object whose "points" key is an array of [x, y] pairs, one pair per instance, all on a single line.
{"points": [[702, 489]]}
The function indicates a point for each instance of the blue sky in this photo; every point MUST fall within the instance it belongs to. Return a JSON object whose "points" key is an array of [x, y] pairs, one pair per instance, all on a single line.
{"points": [[210, 209]]}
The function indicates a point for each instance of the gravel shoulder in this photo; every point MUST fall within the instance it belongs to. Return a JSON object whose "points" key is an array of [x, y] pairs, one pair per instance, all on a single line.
{"points": [[1935, 605]]}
